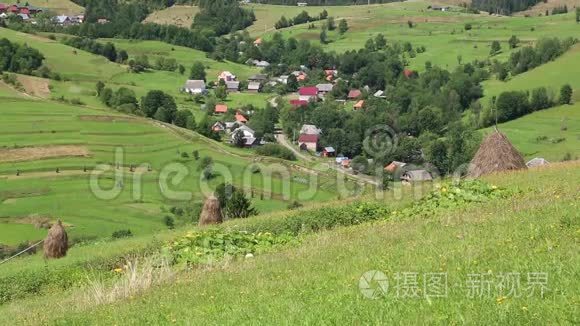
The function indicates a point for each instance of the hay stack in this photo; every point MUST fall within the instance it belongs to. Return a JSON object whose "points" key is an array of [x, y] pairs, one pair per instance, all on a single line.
{"points": [[211, 213], [495, 154], [56, 243]]}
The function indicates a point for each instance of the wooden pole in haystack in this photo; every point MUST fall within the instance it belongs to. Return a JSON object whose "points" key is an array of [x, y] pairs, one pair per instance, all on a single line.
{"points": [[56, 242], [211, 213]]}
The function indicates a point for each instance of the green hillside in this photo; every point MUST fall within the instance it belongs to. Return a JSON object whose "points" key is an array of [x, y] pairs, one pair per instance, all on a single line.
{"points": [[530, 234]]}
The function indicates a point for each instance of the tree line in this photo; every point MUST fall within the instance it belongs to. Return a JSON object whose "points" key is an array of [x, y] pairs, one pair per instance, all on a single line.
{"points": [[106, 50], [22, 59], [530, 57], [511, 105], [503, 7], [301, 18]]}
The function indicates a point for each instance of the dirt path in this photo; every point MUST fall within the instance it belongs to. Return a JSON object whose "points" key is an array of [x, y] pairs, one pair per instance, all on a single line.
{"points": [[283, 140]]}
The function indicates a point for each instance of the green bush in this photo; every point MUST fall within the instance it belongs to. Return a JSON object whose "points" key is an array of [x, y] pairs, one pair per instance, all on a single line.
{"points": [[276, 150], [122, 234]]}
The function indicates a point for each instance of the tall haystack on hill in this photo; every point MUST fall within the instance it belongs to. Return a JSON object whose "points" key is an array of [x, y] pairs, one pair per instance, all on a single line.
{"points": [[211, 213], [56, 242], [495, 154]]}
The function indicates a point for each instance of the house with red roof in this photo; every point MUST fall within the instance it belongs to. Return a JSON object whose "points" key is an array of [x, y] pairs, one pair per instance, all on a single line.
{"points": [[3, 8], [308, 93], [24, 10], [308, 142], [298, 103], [409, 73], [354, 94], [221, 109], [358, 105], [13, 9], [240, 118]]}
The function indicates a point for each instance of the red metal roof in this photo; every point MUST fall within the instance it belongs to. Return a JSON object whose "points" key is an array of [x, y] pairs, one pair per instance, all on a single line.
{"points": [[240, 118], [408, 73], [354, 93], [308, 91], [221, 108], [305, 138], [297, 103]]}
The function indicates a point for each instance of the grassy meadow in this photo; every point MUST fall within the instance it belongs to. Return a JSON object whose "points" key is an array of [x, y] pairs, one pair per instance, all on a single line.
{"points": [[40, 192], [534, 230], [65, 7], [442, 33]]}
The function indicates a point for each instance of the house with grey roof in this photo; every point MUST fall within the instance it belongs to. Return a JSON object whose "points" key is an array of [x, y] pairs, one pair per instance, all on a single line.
{"points": [[195, 87]]}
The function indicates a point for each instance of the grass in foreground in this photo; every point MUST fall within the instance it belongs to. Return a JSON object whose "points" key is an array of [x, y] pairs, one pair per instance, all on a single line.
{"points": [[535, 231]]}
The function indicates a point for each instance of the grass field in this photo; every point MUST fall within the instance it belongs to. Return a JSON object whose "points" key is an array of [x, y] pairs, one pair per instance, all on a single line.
{"points": [[533, 231], [39, 190], [65, 7], [552, 75], [550, 133], [442, 33]]}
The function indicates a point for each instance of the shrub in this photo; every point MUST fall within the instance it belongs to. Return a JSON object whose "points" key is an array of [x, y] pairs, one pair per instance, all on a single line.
{"points": [[122, 234], [169, 222], [276, 150]]}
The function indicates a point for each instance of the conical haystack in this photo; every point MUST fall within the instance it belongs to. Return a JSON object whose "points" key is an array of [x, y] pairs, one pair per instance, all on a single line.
{"points": [[56, 242], [211, 213], [495, 154]]}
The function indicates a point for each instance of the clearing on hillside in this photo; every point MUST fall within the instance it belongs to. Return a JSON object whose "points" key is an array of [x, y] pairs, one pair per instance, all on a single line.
{"points": [[177, 15], [35, 86]]}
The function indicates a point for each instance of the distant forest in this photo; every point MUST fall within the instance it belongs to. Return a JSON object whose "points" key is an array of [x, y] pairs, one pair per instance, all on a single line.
{"points": [[503, 7]]}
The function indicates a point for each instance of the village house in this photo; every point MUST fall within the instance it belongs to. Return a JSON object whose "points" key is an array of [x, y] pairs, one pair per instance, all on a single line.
{"points": [[258, 78], [394, 166], [379, 94], [328, 152], [300, 75], [438, 8], [220, 109], [308, 93], [298, 103], [358, 105], [354, 94], [248, 134], [226, 76], [283, 79], [3, 15], [302, 4], [62, 20], [254, 87], [324, 89], [308, 142], [258, 41], [310, 130], [102, 21], [25, 17], [416, 176], [240, 118], [218, 127], [233, 86], [3, 8], [262, 64], [409, 73], [195, 87]]}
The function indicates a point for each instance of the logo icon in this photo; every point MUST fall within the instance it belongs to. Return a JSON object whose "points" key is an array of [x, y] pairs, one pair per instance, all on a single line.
{"points": [[380, 141], [373, 284]]}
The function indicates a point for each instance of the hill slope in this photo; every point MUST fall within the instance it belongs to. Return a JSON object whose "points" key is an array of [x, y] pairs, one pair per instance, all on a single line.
{"points": [[532, 234]]}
